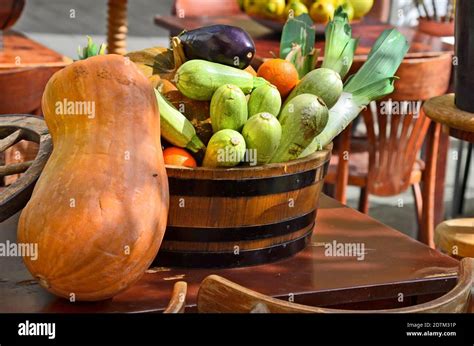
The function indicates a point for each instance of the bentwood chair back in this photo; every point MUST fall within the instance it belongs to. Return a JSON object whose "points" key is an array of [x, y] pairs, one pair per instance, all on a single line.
{"points": [[395, 137], [218, 295], [389, 162], [193, 8], [177, 302]]}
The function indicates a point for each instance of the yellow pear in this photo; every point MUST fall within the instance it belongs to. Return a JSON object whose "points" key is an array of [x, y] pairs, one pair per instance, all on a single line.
{"points": [[361, 7], [322, 11]]}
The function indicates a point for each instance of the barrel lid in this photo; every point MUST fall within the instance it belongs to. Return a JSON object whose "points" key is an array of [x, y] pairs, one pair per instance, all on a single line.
{"points": [[456, 237]]}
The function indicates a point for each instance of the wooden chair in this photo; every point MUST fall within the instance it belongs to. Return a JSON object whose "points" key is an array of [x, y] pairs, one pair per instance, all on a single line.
{"points": [[177, 303], [21, 93], [387, 162], [218, 295], [209, 8]]}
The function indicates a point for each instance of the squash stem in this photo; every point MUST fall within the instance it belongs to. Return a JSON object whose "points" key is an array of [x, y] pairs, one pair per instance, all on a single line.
{"points": [[91, 49], [178, 52], [195, 145]]}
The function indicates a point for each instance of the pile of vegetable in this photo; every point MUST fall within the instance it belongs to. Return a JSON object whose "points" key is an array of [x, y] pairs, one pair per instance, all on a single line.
{"points": [[321, 11], [217, 111]]}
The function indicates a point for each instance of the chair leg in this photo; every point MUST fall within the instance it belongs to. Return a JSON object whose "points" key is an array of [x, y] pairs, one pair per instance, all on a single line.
{"points": [[458, 178], [416, 188], [464, 179], [426, 234], [2, 162], [364, 201]]}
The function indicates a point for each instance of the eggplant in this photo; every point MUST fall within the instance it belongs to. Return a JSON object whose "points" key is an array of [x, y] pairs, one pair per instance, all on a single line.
{"points": [[223, 44]]}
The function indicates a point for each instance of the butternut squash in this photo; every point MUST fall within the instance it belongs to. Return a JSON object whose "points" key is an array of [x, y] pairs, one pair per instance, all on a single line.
{"points": [[98, 212]]}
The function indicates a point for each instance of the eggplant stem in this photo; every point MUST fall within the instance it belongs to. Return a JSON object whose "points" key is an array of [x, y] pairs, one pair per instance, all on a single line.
{"points": [[178, 52]]}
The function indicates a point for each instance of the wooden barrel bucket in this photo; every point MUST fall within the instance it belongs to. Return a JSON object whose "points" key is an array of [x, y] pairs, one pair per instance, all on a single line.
{"points": [[241, 216]]}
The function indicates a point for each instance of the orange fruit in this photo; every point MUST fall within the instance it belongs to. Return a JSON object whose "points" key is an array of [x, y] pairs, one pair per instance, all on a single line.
{"points": [[280, 73], [178, 157]]}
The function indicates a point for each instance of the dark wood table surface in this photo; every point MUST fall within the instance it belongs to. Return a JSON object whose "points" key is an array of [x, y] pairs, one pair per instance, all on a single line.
{"points": [[393, 264], [267, 41], [21, 51]]}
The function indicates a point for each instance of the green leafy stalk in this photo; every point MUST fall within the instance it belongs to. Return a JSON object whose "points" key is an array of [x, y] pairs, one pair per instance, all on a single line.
{"points": [[303, 63], [297, 44], [340, 46], [91, 49], [383, 61], [373, 81]]}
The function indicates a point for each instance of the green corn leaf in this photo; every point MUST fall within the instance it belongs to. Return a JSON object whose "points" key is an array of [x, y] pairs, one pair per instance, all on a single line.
{"points": [[303, 63]]}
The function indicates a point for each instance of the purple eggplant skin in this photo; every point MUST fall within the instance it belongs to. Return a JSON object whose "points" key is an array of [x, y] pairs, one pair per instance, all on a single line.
{"points": [[223, 44]]}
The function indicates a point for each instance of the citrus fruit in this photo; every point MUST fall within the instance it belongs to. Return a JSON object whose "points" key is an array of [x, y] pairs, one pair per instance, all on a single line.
{"points": [[280, 73]]}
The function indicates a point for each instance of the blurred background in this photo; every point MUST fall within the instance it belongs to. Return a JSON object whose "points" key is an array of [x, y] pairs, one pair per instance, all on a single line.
{"points": [[50, 22]]}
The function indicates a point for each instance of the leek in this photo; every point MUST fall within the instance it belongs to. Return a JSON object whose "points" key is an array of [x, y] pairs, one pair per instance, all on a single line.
{"points": [[340, 46], [373, 81], [297, 44]]}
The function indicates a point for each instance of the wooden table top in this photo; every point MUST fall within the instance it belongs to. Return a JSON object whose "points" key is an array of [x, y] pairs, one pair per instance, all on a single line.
{"points": [[393, 264], [267, 41], [443, 110], [20, 51]]}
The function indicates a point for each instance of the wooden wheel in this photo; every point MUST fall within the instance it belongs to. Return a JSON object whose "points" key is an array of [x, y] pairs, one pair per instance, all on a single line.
{"points": [[13, 129]]}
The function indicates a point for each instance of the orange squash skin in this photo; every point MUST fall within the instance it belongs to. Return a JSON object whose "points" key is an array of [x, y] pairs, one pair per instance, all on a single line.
{"points": [[98, 212]]}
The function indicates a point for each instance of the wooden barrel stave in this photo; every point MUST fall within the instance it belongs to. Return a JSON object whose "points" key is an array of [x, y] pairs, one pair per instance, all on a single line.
{"points": [[223, 212], [242, 216], [230, 245], [227, 259]]}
